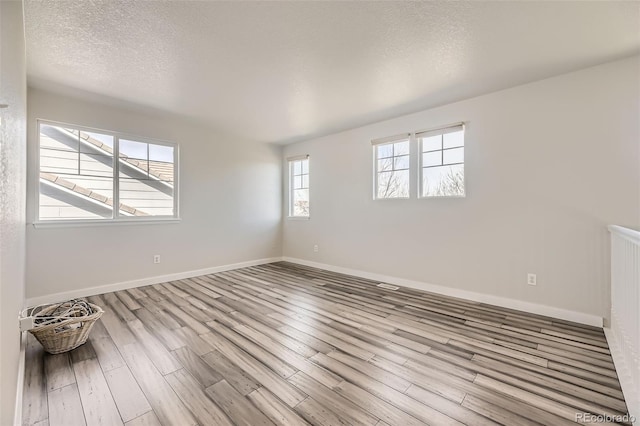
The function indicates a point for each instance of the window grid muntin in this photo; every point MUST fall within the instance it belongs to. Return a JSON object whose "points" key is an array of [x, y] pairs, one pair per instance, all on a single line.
{"points": [[393, 170], [301, 174], [422, 168]]}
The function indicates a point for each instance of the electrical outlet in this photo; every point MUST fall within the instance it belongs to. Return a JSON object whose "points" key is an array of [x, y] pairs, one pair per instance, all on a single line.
{"points": [[315, 248], [531, 279], [26, 323], [156, 258]]}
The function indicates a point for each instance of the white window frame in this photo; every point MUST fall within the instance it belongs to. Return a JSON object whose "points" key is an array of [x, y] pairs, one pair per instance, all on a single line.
{"points": [[386, 141], [290, 189], [441, 130], [116, 218]]}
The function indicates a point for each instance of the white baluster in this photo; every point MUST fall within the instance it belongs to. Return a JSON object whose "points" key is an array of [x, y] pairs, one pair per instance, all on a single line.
{"points": [[624, 334]]}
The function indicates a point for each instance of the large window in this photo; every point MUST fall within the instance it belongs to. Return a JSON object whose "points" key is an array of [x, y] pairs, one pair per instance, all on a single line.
{"points": [[299, 187], [391, 157], [85, 173], [442, 162]]}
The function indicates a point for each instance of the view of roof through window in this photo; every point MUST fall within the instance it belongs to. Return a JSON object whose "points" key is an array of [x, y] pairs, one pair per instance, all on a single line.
{"points": [[77, 176]]}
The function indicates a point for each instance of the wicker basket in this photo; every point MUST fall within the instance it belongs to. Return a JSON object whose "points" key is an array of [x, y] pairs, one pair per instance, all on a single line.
{"points": [[65, 335]]}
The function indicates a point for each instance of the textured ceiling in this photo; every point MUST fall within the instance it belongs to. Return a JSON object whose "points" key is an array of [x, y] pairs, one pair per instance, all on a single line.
{"points": [[285, 71]]}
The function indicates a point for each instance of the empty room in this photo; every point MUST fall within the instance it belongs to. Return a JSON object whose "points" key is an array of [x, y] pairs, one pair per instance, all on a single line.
{"points": [[319, 213]]}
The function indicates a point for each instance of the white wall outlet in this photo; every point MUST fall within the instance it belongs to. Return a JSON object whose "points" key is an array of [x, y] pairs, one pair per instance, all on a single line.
{"points": [[26, 323], [532, 279], [156, 258], [315, 248]]}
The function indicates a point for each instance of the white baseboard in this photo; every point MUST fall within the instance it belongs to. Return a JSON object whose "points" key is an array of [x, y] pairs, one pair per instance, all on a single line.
{"points": [[534, 308], [17, 419], [629, 389], [92, 291], [520, 305]]}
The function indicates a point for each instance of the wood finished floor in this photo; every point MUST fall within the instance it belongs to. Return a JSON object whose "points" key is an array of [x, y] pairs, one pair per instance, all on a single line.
{"points": [[286, 344]]}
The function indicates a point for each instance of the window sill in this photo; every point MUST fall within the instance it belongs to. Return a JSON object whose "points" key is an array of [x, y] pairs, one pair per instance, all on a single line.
{"points": [[298, 217], [441, 197], [105, 222]]}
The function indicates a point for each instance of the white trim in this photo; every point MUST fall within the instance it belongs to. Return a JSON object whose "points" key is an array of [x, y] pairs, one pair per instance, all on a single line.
{"points": [[626, 381], [122, 135], [290, 170], [72, 223], [116, 215], [420, 142], [391, 139], [375, 145], [627, 233], [176, 181], [115, 180], [520, 305], [107, 288], [441, 130], [17, 419]]}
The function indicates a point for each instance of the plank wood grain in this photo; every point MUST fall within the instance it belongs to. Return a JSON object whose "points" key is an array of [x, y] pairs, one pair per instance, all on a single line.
{"points": [[194, 341], [58, 371], [118, 330], [238, 378], [238, 408], [65, 408], [34, 402], [127, 394], [291, 344], [202, 371], [258, 371], [319, 415], [164, 401], [107, 353], [147, 419], [347, 410], [97, 401], [384, 392], [546, 404], [127, 300], [136, 293], [157, 353], [274, 409], [193, 396], [168, 337], [376, 406], [495, 412]]}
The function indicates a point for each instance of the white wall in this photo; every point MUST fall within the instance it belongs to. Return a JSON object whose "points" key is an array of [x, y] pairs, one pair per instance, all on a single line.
{"points": [[13, 91], [230, 203], [548, 166]]}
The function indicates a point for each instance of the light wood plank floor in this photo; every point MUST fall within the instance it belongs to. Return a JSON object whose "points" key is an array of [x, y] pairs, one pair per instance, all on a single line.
{"points": [[286, 344]]}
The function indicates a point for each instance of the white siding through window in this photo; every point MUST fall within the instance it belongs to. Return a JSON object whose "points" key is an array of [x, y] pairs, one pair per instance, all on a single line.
{"points": [[78, 175]]}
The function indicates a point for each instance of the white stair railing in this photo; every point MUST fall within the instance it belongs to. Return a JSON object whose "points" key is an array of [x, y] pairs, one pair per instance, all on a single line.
{"points": [[624, 332]]}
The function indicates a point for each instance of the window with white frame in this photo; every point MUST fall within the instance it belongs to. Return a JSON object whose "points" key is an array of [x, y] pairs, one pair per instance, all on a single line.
{"points": [[442, 162], [87, 174], [299, 186], [391, 162]]}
